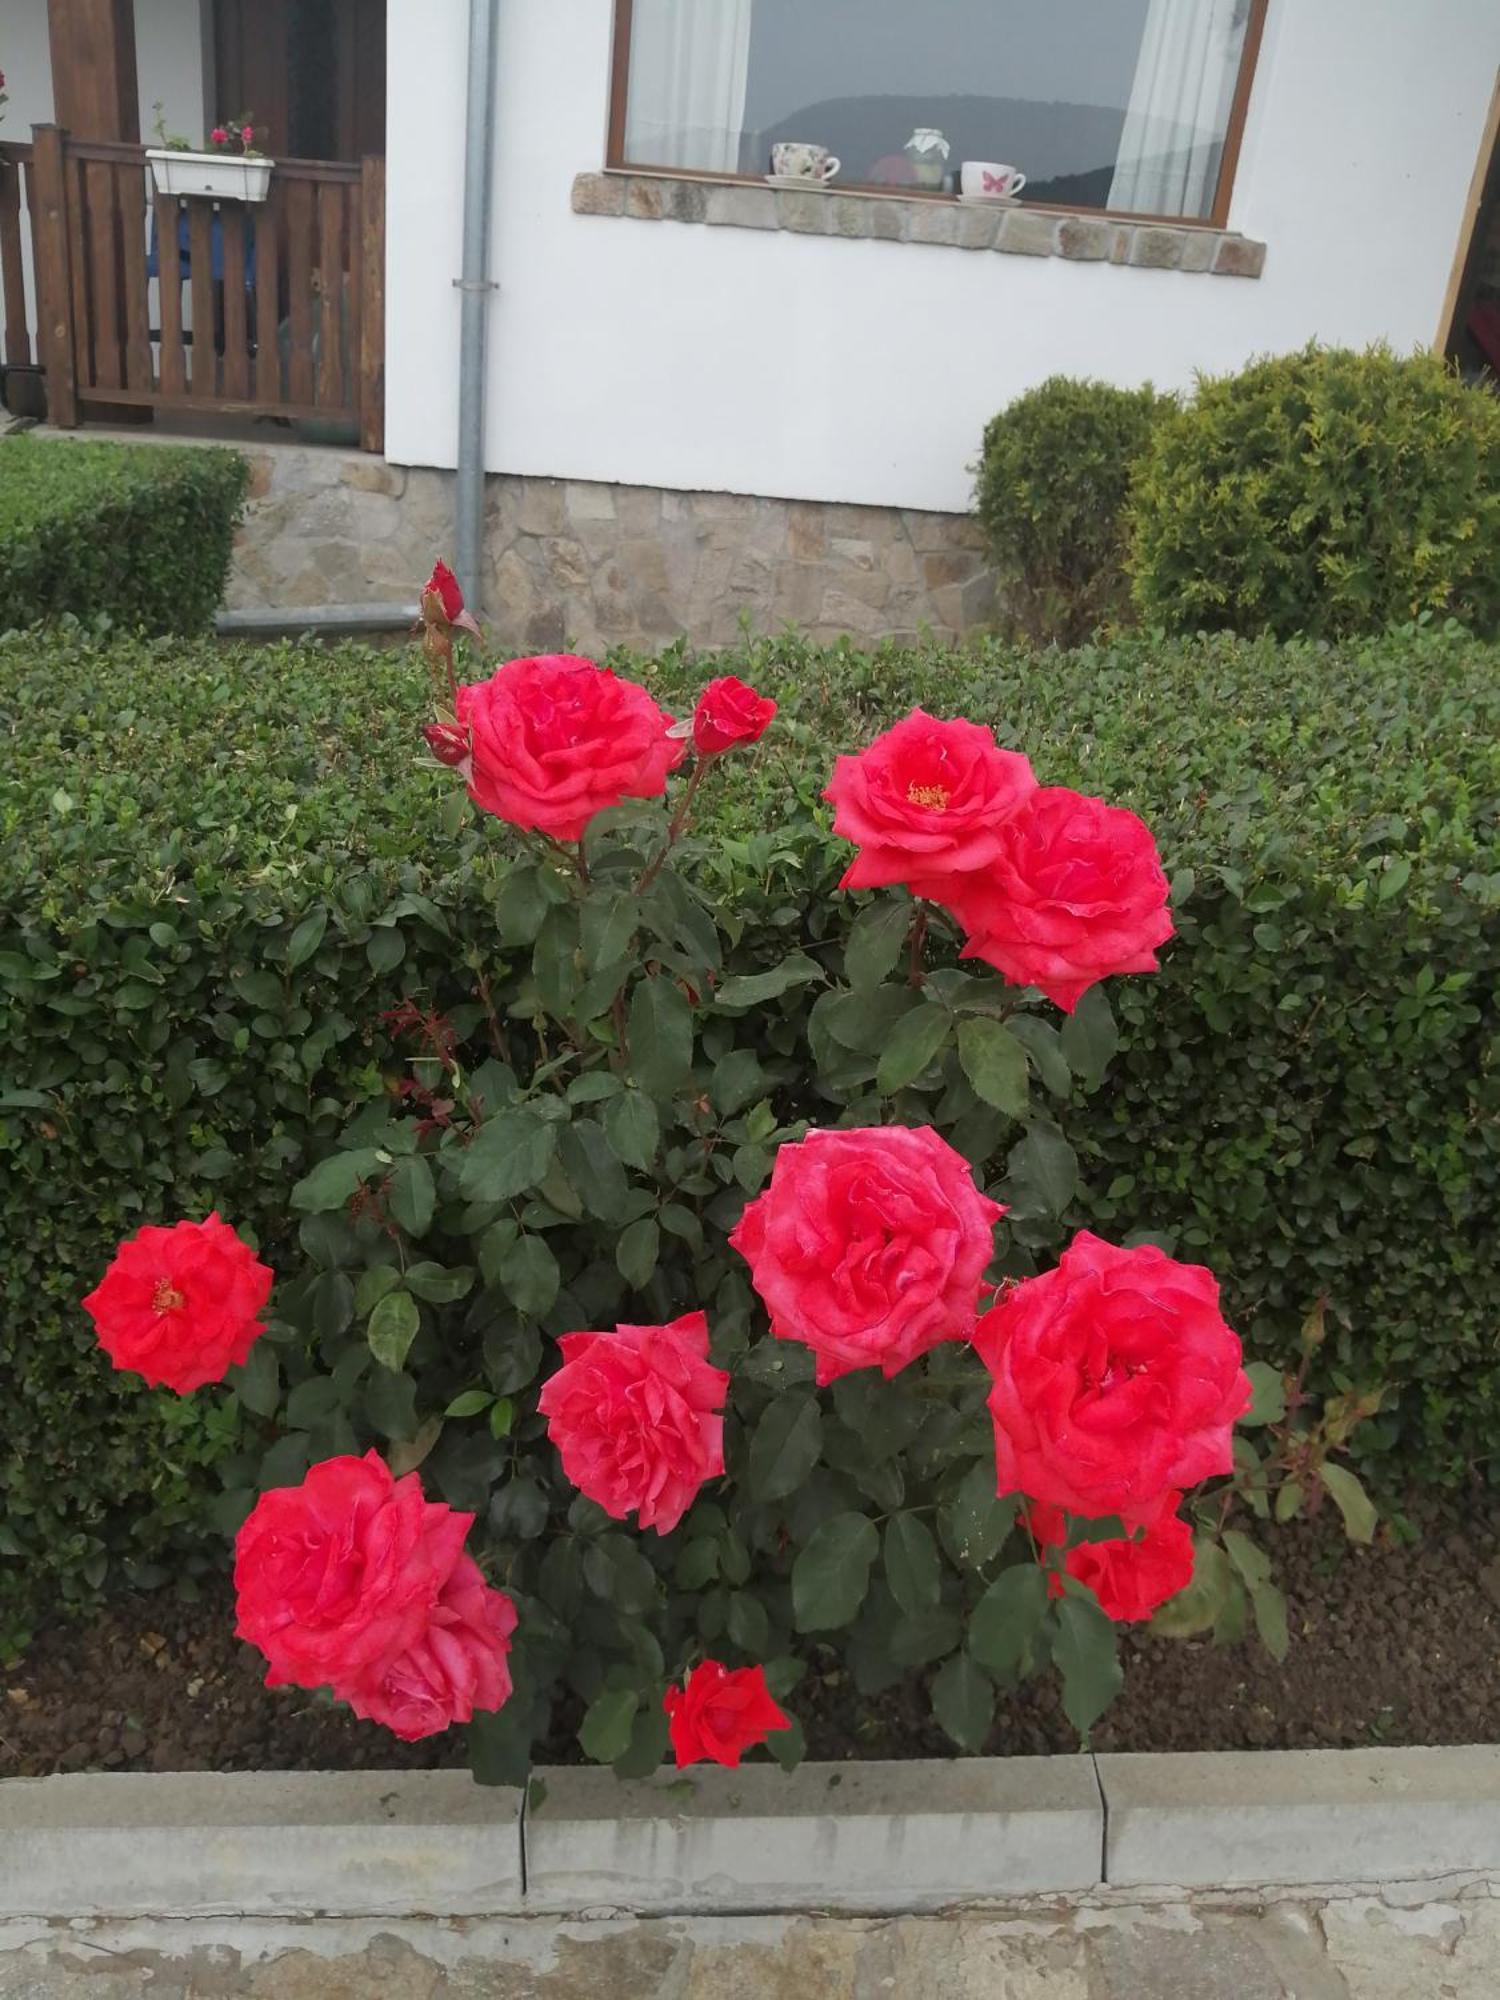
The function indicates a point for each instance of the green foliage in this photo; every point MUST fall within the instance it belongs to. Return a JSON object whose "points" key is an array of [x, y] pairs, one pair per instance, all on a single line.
{"points": [[220, 868], [1322, 494], [1052, 484], [140, 535]]}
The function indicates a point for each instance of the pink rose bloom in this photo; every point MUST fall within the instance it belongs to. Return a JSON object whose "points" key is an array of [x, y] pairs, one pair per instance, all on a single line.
{"points": [[869, 1246], [1075, 893], [925, 802], [218, 136], [457, 1665], [719, 1713], [342, 1572], [1115, 1381], [557, 739], [247, 135], [637, 1417]]}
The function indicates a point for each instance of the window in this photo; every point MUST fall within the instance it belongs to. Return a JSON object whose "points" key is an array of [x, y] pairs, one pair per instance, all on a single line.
{"points": [[1128, 105]]}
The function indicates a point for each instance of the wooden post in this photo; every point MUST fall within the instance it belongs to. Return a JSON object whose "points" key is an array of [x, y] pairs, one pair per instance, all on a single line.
{"points": [[94, 90], [371, 361], [54, 283]]}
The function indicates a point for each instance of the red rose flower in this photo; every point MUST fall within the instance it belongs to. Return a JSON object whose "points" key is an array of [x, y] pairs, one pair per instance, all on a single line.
{"points": [[1075, 893], [637, 1416], [729, 715], [720, 1713], [558, 739], [180, 1306], [1116, 1380], [443, 599], [869, 1246], [1129, 1578], [456, 1665], [341, 1573], [926, 802]]}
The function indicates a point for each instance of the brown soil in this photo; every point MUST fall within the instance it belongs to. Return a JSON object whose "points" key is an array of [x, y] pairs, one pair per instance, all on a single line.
{"points": [[1389, 1645]]}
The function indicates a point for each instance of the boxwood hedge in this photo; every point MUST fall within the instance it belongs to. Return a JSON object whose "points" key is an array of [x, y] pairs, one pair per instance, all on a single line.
{"points": [[141, 534], [219, 868]]}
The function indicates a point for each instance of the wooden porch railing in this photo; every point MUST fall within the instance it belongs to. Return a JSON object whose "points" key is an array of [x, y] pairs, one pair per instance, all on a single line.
{"points": [[274, 308], [16, 189]]}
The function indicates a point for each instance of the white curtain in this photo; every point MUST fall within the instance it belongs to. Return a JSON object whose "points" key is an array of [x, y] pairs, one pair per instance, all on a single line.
{"points": [[689, 68], [1179, 107]]}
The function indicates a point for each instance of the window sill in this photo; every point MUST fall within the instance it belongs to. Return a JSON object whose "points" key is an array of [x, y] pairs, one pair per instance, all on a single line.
{"points": [[896, 218]]}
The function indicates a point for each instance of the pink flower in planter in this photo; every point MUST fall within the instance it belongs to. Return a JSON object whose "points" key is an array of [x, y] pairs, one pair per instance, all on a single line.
{"points": [[218, 136]]}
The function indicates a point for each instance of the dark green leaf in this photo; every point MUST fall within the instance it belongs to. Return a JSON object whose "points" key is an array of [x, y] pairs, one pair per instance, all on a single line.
{"points": [[393, 1328], [511, 1153], [518, 1512], [1268, 1400], [521, 904], [1008, 1619], [832, 1573], [738, 1080], [438, 1286], [332, 1304], [1047, 1164], [605, 1730], [661, 1037], [385, 950], [749, 1627], [976, 1521], [286, 1463], [874, 944], [469, 1404], [963, 1700], [373, 1285], [785, 1447], [995, 1063], [528, 1273], [1085, 1648], [1090, 1037], [312, 1401], [589, 1161], [391, 1403], [636, 1253], [649, 1741], [1352, 1501], [615, 1569], [1269, 1608], [753, 989], [258, 1382], [633, 1128], [1199, 1607], [912, 1045], [411, 1196], [334, 1180], [307, 937], [911, 1564]]}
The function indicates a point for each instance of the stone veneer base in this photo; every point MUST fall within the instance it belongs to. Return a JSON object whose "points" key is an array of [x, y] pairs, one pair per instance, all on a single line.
{"points": [[575, 564]]}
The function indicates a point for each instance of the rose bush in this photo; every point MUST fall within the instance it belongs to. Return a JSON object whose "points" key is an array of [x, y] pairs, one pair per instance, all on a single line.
{"points": [[933, 1459]]}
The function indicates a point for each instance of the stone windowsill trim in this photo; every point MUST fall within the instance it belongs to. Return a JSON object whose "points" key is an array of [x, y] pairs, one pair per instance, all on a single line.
{"points": [[1023, 232]]}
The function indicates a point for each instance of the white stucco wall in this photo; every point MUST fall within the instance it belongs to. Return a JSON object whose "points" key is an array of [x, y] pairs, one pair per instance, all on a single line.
{"points": [[765, 362], [168, 61]]}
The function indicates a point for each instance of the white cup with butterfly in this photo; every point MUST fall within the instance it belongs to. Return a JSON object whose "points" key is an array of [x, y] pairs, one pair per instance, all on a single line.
{"points": [[988, 180]]}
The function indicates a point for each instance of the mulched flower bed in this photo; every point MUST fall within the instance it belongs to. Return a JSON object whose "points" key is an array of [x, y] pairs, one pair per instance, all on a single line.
{"points": [[1389, 1645]]}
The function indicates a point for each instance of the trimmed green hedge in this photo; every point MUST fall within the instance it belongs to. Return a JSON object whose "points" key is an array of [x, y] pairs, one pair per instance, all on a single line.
{"points": [[139, 534], [221, 866]]}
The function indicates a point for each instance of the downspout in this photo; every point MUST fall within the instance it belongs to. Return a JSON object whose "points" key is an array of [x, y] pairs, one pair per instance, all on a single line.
{"points": [[474, 291]]}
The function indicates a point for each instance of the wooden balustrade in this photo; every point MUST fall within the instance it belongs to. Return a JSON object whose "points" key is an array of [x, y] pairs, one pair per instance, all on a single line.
{"points": [[15, 199], [271, 308]]}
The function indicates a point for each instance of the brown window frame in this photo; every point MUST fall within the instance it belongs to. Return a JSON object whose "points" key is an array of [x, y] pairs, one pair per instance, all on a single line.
{"points": [[1217, 218]]}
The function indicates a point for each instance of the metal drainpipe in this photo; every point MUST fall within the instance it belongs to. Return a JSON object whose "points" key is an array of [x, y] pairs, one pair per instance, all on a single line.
{"points": [[474, 290]]}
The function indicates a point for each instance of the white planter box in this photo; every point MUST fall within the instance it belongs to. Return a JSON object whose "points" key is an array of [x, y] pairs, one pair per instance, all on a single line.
{"points": [[221, 176]]}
